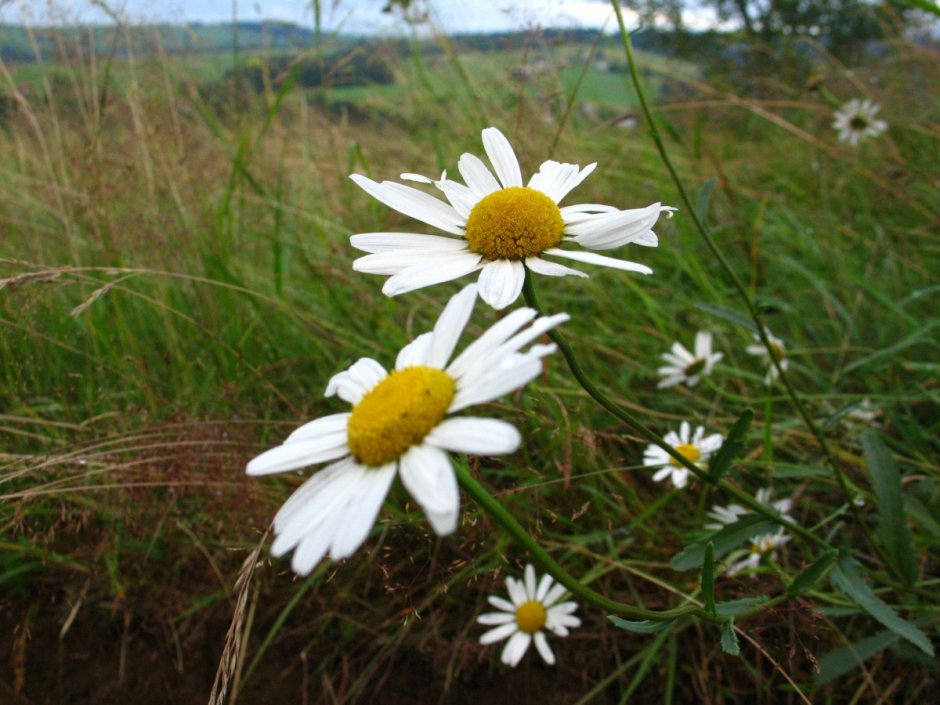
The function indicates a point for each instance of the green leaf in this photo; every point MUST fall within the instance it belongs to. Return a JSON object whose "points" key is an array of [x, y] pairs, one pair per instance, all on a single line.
{"points": [[724, 540], [842, 660], [708, 577], [893, 531], [729, 640], [732, 446], [809, 577], [732, 608], [729, 315], [847, 578], [646, 627]]}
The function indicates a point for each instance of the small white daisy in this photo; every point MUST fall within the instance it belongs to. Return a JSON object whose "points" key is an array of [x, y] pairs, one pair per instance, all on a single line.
{"points": [[779, 352], [684, 366], [499, 226], [533, 610], [856, 121], [864, 414], [762, 545], [399, 423], [696, 448]]}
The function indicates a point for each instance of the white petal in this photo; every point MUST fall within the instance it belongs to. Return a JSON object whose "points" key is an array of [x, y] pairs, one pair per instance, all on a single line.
{"points": [[500, 603], [300, 454], [670, 382], [428, 475], [415, 352], [414, 203], [592, 258], [398, 261], [515, 648], [392, 242], [495, 384], [516, 591], [355, 382], [544, 585], [502, 157], [450, 325], [556, 180], [499, 633], [501, 282], [312, 548], [493, 618], [491, 339], [478, 178], [551, 269], [545, 651], [445, 268], [475, 436], [361, 510], [604, 231], [530, 581], [319, 427], [554, 594], [461, 197]]}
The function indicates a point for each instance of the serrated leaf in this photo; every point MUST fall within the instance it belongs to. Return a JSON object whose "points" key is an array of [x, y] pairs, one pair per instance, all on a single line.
{"points": [[645, 627], [729, 315], [708, 577], [733, 608], [726, 539], [846, 577], [844, 659], [732, 446], [805, 580], [893, 531], [729, 640]]}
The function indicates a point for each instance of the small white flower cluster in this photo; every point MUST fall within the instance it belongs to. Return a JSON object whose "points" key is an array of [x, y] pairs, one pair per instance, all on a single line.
{"points": [[760, 546]]}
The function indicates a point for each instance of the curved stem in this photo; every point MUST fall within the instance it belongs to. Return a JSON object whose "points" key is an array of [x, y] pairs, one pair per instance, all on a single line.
{"points": [[541, 556]]}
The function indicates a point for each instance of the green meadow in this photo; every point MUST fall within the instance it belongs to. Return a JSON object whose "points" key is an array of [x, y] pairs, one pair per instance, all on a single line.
{"points": [[176, 291]]}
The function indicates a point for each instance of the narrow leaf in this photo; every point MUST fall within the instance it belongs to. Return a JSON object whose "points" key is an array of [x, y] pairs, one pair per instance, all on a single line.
{"points": [[704, 199], [809, 577], [732, 446], [842, 660], [724, 540], [847, 578], [893, 531], [729, 315], [729, 640], [732, 608], [646, 627], [708, 577]]}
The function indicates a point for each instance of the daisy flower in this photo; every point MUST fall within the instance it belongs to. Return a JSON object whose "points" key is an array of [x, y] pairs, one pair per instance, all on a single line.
{"points": [[856, 121], [399, 424], [497, 225], [532, 609], [696, 448], [777, 350], [684, 366], [762, 545]]}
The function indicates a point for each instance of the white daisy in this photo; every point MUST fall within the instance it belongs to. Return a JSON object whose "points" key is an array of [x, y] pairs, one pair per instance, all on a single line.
{"points": [[856, 121], [533, 610], [398, 424], [696, 448], [779, 353], [498, 226], [762, 545], [684, 366]]}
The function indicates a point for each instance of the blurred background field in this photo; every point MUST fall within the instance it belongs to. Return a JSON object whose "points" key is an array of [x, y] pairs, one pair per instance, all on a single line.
{"points": [[176, 290]]}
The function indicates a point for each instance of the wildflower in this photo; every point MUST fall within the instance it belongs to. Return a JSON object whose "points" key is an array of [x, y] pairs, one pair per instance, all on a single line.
{"points": [[533, 609], [762, 545], [856, 121], [864, 414], [686, 367], [498, 226], [695, 448], [399, 424], [778, 351]]}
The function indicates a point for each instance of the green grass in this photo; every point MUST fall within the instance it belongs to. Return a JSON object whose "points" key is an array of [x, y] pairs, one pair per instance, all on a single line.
{"points": [[176, 291]]}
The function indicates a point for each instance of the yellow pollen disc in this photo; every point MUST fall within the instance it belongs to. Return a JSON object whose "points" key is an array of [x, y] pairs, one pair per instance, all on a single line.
{"points": [[514, 223], [398, 413], [687, 451], [530, 616], [694, 367], [776, 351]]}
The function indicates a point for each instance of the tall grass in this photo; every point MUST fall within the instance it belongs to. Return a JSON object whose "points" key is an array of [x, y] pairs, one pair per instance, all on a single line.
{"points": [[176, 290]]}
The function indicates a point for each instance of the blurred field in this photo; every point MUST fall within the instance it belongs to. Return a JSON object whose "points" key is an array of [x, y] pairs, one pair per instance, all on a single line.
{"points": [[176, 290]]}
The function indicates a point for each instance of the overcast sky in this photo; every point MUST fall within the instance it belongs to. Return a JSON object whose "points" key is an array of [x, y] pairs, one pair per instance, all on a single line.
{"points": [[350, 16]]}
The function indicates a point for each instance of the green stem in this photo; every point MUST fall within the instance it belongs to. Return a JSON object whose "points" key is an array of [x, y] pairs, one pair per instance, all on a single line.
{"points": [[618, 411], [738, 284], [496, 510]]}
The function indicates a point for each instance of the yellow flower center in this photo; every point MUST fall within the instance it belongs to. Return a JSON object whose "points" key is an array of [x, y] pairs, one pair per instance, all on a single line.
{"points": [[514, 223], [687, 451], [398, 413], [694, 367], [530, 616], [858, 123], [776, 352]]}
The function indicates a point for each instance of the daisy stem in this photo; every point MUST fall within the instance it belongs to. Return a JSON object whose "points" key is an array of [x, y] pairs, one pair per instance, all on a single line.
{"points": [[618, 411], [729, 270], [496, 510]]}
